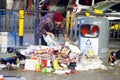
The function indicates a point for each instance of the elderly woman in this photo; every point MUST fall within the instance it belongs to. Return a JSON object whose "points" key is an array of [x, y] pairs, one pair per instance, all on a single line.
{"points": [[51, 23]]}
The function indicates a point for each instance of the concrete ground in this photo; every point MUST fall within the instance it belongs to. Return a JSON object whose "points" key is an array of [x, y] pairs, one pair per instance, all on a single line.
{"points": [[112, 72]]}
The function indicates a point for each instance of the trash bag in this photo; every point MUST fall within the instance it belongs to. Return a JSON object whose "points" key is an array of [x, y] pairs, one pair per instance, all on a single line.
{"points": [[51, 40], [20, 56], [112, 58], [72, 65], [118, 54], [9, 56], [13, 50], [9, 60], [10, 50]]}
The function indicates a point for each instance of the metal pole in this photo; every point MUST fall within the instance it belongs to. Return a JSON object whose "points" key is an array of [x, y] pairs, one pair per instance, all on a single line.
{"points": [[72, 24], [36, 22], [21, 27], [68, 21], [25, 4]]}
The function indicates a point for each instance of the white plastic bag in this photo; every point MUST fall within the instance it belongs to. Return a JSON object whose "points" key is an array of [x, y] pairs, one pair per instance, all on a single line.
{"points": [[51, 40]]}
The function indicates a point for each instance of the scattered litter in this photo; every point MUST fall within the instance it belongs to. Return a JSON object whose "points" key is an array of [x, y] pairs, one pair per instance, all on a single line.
{"points": [[60, 71], [114, 58], [89, 64], [2, 66]]}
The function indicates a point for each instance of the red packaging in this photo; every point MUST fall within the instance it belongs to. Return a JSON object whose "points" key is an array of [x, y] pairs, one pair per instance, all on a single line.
{"points": [[44, 63]]}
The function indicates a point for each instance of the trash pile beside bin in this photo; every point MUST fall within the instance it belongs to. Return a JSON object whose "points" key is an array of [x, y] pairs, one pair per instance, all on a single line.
{"points": [[57, 58], [60, 59]]}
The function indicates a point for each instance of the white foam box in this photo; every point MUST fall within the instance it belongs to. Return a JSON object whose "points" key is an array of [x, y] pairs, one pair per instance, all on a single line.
{"points": [[30, 64]]}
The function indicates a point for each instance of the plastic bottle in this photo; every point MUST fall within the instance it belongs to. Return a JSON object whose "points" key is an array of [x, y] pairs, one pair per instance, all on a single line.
{"points": [[37, 67]]}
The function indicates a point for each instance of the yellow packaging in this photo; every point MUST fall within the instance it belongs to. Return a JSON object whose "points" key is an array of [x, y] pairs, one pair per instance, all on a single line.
{"points": [[55, 64]]}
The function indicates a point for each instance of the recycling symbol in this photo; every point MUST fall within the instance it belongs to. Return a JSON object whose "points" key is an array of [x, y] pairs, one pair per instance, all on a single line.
{"points": [[88, 42]]}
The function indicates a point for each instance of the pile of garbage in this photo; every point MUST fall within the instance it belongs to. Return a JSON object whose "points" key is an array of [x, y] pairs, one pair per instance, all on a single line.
{"points": [[60, 59]]}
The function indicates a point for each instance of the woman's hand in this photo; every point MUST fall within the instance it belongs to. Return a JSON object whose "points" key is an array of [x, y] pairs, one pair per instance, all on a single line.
{"points": [[67, 38], [49, 33]]}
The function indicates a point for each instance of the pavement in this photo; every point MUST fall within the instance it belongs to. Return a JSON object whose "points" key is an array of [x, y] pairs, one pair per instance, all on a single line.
{"points": [[112, 72]]}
